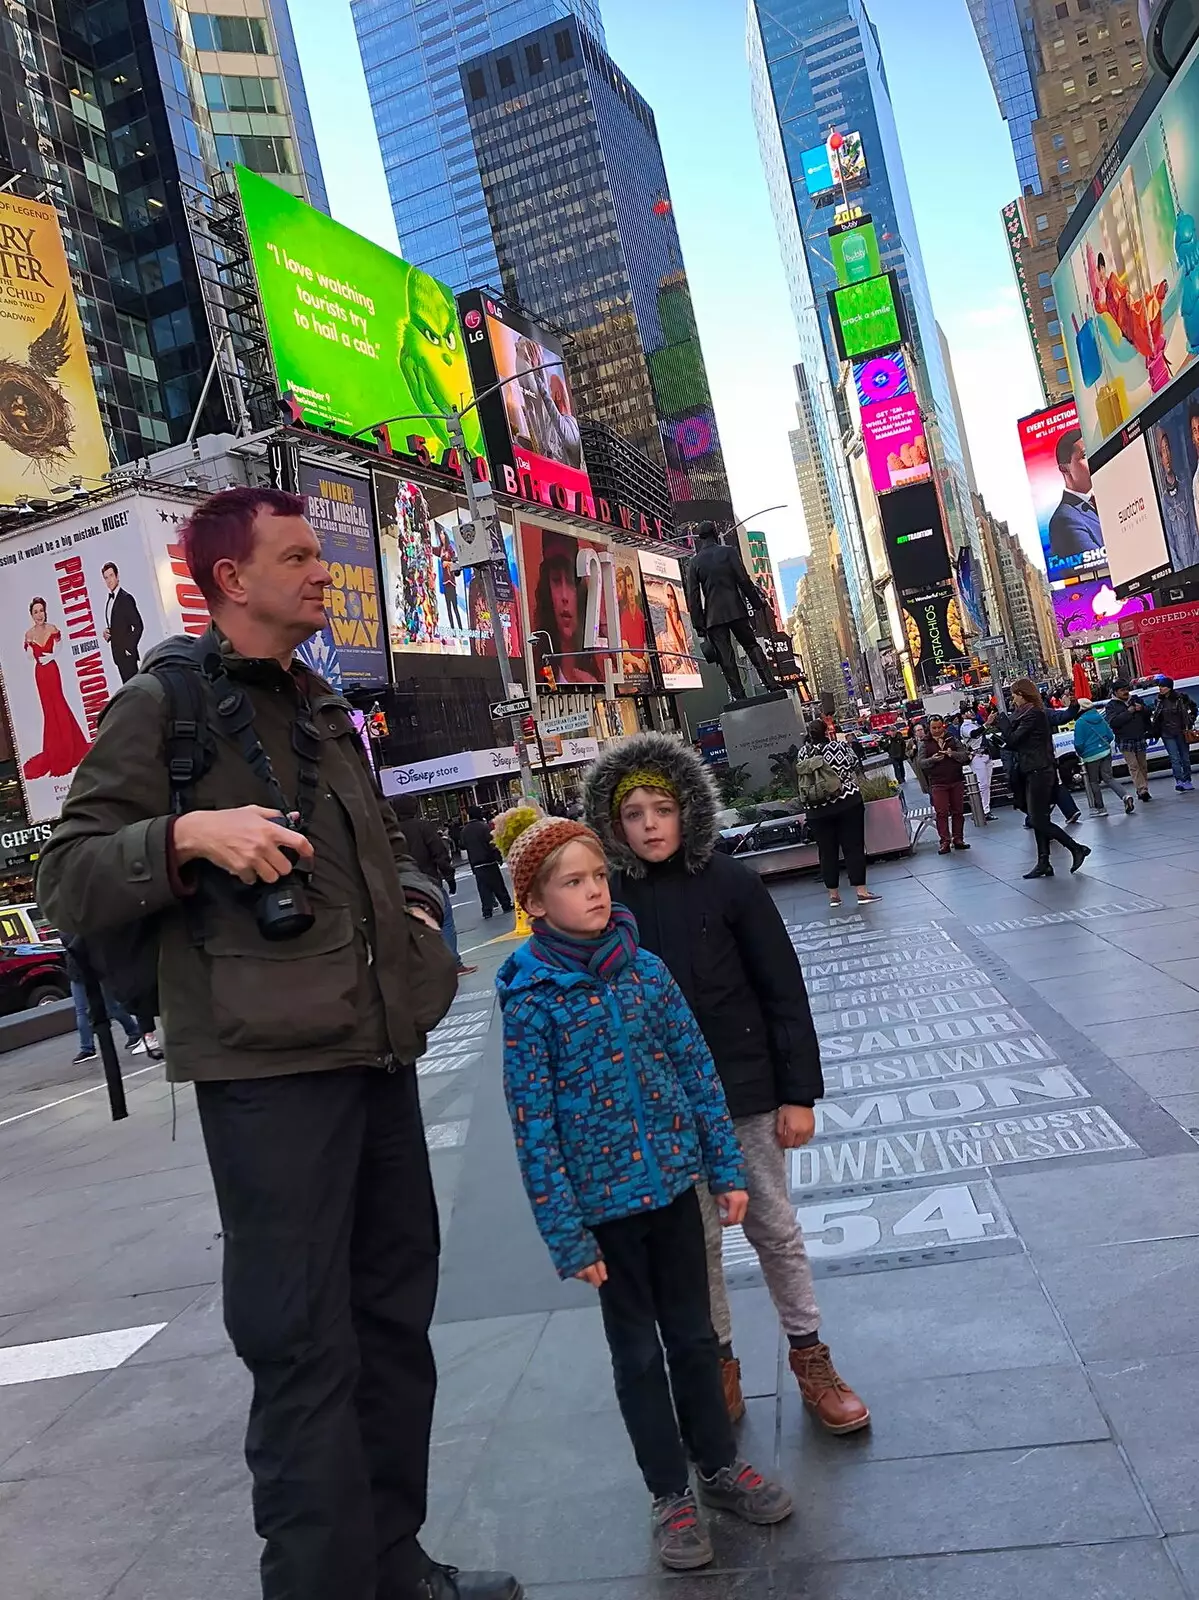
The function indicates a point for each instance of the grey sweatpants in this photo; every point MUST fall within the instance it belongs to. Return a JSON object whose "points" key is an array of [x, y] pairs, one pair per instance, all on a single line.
{"points": [[772, 1230]]}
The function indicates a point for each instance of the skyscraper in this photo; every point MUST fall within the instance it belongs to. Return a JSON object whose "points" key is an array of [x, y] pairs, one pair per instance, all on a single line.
{"points": [[411, 51], [113, 113], [816, 67], [585, 239], [1084, 61]]}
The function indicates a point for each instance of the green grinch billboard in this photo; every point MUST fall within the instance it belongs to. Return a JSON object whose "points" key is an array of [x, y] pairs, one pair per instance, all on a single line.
{"points": [[357, 335]]}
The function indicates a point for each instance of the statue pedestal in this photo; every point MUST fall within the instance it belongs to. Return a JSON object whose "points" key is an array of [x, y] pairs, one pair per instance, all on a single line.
{"points": [[754, 730]]}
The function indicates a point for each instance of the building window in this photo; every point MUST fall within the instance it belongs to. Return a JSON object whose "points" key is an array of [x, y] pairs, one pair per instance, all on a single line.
{"points": [[1057, 352], [1044, 279], [1063, 376], [1081, 36], [1103, 124], [1063, 164], [1080, 134], [1042, 223], [246, 36], [1059, 45], [1084, 5], [477, 84], [1114, 70], [1054, 327], [506, 74], [1069, 86], [1135, 63], [1092, 79], [534, 60], [1049, 303], [565, 46], [1059, 141], [1125, 20], [1061, 10]]}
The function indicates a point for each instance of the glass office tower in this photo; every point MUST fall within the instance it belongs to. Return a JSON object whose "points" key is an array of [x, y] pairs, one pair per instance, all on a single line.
{"points": [[1009, 46], [411, 51], [585, 239], [817, 67]]}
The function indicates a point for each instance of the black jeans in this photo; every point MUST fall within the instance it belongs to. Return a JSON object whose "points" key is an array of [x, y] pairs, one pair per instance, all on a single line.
{"points": [[493, 890], [1040, 791], [841, 832], [330, 1274], [657, 1294], [900, 769]]}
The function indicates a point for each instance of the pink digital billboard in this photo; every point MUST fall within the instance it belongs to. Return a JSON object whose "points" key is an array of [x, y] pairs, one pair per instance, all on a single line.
{"points": [[1083, 607], [893, 433]]}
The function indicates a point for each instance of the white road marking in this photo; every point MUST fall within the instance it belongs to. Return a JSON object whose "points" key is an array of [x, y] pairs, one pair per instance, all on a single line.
{"points": [[95, 1089], [446, 1135], [61, 1358], [430, 1066]]}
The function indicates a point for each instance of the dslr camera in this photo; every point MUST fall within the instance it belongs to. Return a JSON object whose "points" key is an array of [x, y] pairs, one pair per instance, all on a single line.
{"points": [[282, 909]]}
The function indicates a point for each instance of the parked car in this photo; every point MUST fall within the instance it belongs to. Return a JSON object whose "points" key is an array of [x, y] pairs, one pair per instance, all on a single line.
{"points": [[32, 975], [26, 924]]}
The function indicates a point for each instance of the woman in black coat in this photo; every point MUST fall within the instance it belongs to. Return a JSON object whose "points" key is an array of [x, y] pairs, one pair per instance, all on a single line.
{"points": [[1028, 733]]}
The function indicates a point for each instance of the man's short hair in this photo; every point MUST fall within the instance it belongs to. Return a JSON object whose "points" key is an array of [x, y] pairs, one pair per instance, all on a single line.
{"points": [[110, 566], [222, 529], [1065, 446]]}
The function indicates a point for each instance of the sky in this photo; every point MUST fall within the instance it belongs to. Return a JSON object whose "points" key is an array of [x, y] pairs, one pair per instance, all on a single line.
{"points": [[687, 57]]}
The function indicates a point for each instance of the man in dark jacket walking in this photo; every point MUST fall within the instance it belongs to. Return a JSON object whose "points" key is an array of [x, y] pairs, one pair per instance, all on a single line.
{"points": [[1130, 719], [713, 923], [301, 1042], [944, 759], [720, 595], [430, 851], [1173, 718], [485, 862], [897, 750]]}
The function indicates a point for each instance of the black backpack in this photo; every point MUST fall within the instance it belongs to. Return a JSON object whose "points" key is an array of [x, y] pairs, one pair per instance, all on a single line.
{"points": [[127, 957]]}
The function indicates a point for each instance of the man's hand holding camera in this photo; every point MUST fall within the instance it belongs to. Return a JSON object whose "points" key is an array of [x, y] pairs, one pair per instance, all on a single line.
{"points": [[247, 841]]}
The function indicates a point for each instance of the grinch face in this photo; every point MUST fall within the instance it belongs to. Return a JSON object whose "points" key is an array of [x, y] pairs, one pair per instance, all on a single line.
{"points": [[433, 344]]}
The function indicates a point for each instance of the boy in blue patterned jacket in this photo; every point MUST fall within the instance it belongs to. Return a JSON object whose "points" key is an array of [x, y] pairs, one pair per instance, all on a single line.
{"points": [[618, 1113]]}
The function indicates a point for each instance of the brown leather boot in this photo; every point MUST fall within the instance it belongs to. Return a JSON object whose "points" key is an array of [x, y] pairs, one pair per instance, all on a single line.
{"points": [[730, 1376], [825, 1393]]}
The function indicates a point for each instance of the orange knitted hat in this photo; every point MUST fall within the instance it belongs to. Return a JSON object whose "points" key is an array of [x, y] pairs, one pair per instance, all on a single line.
{"points": [[526, 838]]}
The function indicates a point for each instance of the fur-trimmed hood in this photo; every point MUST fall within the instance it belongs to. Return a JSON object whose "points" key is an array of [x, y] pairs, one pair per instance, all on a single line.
{"points": [[676, 761]]}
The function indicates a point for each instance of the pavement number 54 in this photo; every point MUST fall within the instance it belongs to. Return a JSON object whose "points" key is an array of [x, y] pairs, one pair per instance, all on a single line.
{"points": [[867, 1224]]}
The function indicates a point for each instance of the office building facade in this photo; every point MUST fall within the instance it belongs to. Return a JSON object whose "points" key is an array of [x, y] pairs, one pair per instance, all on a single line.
{"points": [[1086, 64], [585, 240], [411, 52], [105, 112]]}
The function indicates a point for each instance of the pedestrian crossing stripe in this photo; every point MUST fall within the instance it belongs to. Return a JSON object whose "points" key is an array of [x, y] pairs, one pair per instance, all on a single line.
{"points": [[446, 1135], [430, 1066]]}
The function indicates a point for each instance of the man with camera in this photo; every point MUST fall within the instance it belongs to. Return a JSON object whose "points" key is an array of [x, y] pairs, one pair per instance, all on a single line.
{"points": [[227, 809]]}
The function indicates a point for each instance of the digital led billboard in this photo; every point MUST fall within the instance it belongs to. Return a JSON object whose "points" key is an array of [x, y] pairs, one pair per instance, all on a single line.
{"points": [[1127, 289], [826, 170], [351, 650], [933, 625], [915, 537], [50, 427], [357, 335], [855, 251], [1174, 454], [881, 378], [532, 433], [893, 436], [1059, 476], [867, 317], [670, 621], [1132, 524], [1093, 603]]}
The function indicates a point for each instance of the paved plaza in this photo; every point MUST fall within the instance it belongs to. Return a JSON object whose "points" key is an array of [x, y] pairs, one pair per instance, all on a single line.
{"points": [[1001, 1203]]}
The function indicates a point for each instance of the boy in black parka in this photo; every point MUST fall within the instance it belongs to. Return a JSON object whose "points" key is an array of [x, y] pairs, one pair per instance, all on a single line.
{"points": [[714, 924]]}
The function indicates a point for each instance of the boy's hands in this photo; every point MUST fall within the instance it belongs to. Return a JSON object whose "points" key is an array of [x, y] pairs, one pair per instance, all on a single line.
{"points": [[596, 1274], [796, 1126], [732, 1207]]}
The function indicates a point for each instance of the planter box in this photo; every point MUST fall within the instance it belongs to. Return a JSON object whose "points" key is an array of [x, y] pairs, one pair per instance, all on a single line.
{"points": [[782, 850]]}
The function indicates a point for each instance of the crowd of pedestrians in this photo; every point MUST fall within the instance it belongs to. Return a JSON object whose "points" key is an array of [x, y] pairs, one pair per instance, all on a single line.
{"points": [[660, 1055]]}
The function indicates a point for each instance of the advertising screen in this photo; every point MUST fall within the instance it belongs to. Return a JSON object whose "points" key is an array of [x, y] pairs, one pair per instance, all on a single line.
{"points": [[670, 622], [1127, 289], [50, 427], [855, 252], [1127, 501], [1093, 603], [83, 600], [530, 427], [1174, 454], [350, 652], [893, 434], [357, 335], [866, 317], [818, 173], [881, 378], [1060, 479], [934, 629], [430, 609], [561, 599], [826, 169], [915, 536]]}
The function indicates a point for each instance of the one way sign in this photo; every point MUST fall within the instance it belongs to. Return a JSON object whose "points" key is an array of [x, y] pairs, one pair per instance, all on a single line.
{"points": [[519, 706]]}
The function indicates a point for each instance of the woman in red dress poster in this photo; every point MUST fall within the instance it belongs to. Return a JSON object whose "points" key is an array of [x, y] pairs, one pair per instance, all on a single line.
{"points": [[64, 744]]}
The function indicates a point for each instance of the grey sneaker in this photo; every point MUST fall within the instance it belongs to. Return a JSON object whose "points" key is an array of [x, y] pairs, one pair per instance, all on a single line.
{"points": [[680, 1537], [746, 1493]]}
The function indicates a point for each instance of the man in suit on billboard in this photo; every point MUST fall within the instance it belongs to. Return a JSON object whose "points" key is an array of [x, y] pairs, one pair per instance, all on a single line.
{"points": [[123, 625], [1074, 527]]}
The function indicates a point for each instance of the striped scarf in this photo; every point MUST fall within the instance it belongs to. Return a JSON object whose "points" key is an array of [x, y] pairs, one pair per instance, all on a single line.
{"points": [[602, 958]]}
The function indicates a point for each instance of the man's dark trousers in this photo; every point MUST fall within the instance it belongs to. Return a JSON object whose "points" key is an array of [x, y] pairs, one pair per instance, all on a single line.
{"points": [[330, 1275], [493, 890]]}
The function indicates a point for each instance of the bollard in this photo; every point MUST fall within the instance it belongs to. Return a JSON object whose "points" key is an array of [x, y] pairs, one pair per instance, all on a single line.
{"points": [[974, 795]]}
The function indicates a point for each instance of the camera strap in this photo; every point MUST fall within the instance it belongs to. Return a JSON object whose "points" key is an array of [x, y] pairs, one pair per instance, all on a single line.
{"points": [[235, 712]]}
